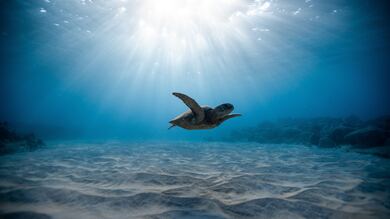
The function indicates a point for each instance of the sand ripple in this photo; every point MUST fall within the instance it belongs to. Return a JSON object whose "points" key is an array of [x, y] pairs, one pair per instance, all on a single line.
{"points": [[193, 180]]}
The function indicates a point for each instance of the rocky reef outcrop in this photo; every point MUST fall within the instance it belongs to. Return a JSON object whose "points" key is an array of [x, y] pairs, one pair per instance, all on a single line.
{"points": [[11, 141], [351, 131]]}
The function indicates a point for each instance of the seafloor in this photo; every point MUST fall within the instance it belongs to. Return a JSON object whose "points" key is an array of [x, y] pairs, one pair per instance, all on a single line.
{"points": [[193, 180]]}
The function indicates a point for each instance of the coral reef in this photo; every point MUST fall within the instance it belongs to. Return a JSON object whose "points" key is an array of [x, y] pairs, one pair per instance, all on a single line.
{"points": [[11, 141], [324, 132]]}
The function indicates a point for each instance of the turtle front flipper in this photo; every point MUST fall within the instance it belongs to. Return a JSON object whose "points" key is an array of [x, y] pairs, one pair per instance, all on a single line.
{"points": [[228, 117], [193, 105]]}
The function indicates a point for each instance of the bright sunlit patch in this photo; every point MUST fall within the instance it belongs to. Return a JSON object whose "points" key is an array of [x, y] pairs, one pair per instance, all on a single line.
{"points": [[210, 46], [179, 30], [181, 35], [172, 32], [183, 26]]}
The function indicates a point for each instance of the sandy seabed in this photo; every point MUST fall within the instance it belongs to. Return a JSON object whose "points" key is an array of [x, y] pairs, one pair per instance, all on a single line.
{"points": [[193, 180]]}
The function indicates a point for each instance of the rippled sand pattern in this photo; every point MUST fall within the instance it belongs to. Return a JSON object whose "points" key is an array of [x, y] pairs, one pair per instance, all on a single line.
{"points": [[193, 180]]}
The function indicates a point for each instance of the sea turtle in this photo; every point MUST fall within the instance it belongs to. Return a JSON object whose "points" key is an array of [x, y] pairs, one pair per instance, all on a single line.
{"points": [[201, 117]]}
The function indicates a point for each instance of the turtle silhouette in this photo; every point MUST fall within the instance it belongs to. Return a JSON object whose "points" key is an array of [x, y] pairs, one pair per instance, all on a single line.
{"points": [[201, 117]]}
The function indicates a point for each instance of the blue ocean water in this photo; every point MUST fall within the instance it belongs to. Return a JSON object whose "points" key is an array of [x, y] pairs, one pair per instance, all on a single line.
{"points": [[107, 68], [94, 79]]}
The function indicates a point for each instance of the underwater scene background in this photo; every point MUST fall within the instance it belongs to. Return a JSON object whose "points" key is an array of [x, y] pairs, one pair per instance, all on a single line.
{"points": [[86, 96]]}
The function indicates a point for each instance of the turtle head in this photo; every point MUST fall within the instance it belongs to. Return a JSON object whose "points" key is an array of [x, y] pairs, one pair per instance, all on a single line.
{"points": [[223, 110]]}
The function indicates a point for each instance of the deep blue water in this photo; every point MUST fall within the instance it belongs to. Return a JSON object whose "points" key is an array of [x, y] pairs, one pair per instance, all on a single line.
{"points": [[88, 69]]}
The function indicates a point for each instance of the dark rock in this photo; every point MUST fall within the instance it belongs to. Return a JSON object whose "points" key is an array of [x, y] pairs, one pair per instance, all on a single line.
{"points": [[11, 141], [382, 122], [321, 131], [24, 214], [303, 138], [367, 137], [352, 121], [326, 142], [315, 139], [387, 142], [338, 134]]}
